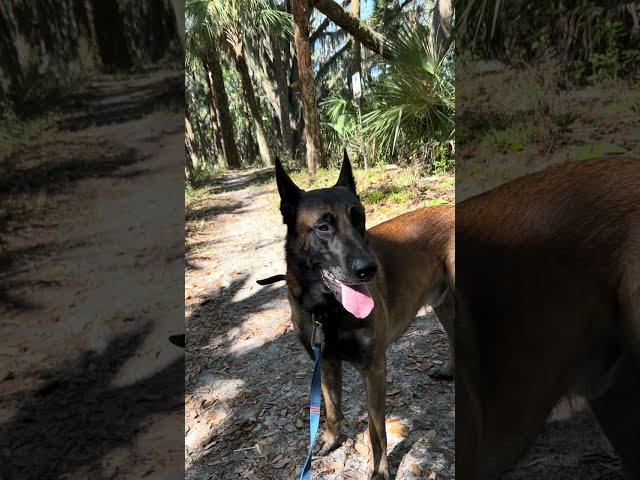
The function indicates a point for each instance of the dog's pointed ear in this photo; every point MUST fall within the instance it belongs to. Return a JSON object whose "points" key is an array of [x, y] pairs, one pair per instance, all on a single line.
{"points": [[289, 191], [346, 174]]}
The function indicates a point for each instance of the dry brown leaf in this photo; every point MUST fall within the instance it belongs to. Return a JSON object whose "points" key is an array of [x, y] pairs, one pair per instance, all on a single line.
{"points": [[395, 427]]}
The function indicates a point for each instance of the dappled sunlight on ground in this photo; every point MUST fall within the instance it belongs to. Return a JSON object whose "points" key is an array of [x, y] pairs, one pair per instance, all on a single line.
{"points": [[90, 287]]}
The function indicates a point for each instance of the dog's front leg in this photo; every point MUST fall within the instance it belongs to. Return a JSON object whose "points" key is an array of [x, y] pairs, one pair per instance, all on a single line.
{"points": [[375, 385], [332, 394]]}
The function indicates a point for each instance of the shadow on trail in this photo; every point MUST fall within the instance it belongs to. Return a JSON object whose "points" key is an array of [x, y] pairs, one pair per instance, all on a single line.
{"points": [[10, 262], [267, 388], [209, 211], [238, 180], [77, 417], [116, 101], [55, 174], [222, 313]]}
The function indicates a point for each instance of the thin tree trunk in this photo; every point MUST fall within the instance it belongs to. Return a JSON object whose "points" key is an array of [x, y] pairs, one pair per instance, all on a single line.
{"points": [[283, 91], [270, 70], [297, 120], [358, 30], [356, 53], [315, 150], [252, 148], [252, 102], [213, 120], [218, 146], [441, 26], [222, 104], [189, 142], [178, 10]]}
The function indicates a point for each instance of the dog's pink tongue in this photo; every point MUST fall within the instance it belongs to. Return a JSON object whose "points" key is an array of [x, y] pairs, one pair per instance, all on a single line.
{"points": [[356, 300]]}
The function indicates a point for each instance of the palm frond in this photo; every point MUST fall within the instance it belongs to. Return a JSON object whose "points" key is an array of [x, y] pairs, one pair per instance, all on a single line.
{"points": [[414, 98]]}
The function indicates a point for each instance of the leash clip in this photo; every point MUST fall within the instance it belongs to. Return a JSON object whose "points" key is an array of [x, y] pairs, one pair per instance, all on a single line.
{"points": [[317, 335]]}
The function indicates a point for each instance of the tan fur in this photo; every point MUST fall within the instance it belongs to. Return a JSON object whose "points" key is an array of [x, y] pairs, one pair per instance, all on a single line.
{"points": [[547, 304]]}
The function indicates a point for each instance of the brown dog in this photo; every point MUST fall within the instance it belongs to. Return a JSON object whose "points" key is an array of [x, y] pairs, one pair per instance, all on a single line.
{"points": [[365, 287], [548, 303]]}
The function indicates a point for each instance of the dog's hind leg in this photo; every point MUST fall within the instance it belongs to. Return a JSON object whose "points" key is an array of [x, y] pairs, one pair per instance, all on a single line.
{"points": [[331, 371], [618, 413], [376, 387], [446, 313]]}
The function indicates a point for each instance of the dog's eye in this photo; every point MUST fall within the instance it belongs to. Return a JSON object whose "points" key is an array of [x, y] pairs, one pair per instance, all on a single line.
{"points": [[323, 227]]}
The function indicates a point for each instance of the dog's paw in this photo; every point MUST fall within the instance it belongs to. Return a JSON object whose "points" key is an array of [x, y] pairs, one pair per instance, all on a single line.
{"points": [[328, 445], [382, 473], [379, 475]]}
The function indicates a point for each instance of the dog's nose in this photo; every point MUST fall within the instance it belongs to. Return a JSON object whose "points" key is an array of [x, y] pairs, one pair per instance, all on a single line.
{"points": [[365, 268]]}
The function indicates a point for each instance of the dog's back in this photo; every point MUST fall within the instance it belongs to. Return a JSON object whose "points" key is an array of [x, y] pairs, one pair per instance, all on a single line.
{"points": [[416, 251], [548, 302]]}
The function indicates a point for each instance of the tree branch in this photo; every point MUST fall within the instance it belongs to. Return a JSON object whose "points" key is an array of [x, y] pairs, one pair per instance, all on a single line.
{"points": [[323, 26], [358, 30], [324, 68]]}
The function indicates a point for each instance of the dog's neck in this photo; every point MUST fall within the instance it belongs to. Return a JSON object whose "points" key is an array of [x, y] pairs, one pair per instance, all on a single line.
{"points": [[305, 287]]}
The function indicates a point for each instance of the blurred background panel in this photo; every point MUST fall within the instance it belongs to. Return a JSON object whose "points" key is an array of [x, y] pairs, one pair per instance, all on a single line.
{"points": [[91, 239], [539, 84]]}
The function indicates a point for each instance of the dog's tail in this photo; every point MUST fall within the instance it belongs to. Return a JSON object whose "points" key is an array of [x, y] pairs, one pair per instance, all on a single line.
{"points": [[270, 280]]}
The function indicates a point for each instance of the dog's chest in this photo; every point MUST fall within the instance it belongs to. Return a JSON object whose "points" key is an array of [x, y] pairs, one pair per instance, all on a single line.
{"points": [[346, 339], [350, 345]]}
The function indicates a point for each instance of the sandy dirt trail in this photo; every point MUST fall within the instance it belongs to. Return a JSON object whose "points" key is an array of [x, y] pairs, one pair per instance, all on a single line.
{"points": [[91, 286]]}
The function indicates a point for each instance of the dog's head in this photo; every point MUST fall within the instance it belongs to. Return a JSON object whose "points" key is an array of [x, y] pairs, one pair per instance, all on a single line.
{"points": [[327, 239]]}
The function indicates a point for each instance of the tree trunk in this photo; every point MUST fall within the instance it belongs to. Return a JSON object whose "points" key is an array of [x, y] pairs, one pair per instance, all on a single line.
{"points": [[252, 148], [358, 30], [315, 150], [297, 120], [222, 103], [189, 142], [252, 102], [295, 117], [282, 88], [209, 146], [441, 25], [178, 10], [215, 124], [270, 71]]}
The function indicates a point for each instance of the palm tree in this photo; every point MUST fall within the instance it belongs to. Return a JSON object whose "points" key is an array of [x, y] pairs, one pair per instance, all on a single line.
{"points": [[414, 99], [315, 150], [230, 21], [202, 49], [236, 41]]}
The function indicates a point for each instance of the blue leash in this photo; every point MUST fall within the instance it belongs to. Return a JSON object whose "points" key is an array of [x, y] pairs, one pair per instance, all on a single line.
{"points": [[316, 397]]}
